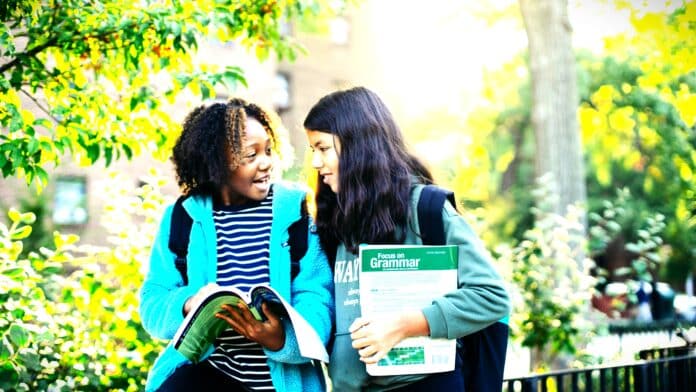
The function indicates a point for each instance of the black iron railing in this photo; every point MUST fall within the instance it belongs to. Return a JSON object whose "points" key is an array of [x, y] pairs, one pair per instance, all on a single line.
{"points": [[623, 327], [665, 374]]}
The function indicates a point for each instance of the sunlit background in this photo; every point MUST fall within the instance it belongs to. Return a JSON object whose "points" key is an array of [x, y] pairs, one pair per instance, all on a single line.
{"points": [[455, 75]]}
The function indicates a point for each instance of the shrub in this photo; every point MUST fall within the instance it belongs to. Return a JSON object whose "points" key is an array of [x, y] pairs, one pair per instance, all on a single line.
{"points": [[68, 315]]}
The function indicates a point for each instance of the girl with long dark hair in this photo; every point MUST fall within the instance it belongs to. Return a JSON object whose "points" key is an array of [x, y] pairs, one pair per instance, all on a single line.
{"points": [[367, 190]]}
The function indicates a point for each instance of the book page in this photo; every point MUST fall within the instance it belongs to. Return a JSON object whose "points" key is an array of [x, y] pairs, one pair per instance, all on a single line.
{"points": [[397, 278]]}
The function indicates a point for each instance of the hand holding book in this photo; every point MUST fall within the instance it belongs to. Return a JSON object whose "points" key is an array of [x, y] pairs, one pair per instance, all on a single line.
{"points": [[374, 337], [268, 332], [248, 310]]}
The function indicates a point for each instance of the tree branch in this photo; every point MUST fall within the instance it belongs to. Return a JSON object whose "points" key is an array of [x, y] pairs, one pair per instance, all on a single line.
{"points": [[29, 53], [40, 106]]}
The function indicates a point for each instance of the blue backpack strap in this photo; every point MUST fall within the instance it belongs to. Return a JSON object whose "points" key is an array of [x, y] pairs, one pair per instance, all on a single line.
{"points": [[297, 240], [430, 203], [482, 352], [179, 233]]}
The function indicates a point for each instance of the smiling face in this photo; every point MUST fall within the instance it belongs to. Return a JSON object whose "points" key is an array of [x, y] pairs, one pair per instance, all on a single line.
{"points": [[325, 150], [251, 180]]}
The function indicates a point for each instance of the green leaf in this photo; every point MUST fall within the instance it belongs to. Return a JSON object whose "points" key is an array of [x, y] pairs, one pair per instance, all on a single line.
{"points": [[31, 360], [9, 376], [21, 233], [6, 350], [205, 91], [32, 146], [45, 336], [93, 152], [18, 335], [14, 215], [13, 272], [42, 174], [128, 151], [108, 154]]}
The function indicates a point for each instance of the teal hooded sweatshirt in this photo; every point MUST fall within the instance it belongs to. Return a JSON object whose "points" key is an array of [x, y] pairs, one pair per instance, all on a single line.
{"points": [[163, 294]]}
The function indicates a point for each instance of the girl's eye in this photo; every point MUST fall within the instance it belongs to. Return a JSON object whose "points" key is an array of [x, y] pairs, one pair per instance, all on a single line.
{"points": [[324, 149]]}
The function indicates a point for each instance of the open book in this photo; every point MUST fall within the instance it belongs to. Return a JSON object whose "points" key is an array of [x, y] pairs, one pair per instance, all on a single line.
{"points": [[397, 278], [200, 327]]}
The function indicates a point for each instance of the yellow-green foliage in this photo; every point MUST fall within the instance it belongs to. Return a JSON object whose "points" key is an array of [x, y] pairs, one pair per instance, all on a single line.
{"points": [[102, 73], [69, 314], [617, 123], [100, 76]]}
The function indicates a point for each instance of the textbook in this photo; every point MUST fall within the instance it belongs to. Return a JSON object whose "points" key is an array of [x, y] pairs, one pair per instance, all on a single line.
{"points": [[397, 278], [200, 327]]}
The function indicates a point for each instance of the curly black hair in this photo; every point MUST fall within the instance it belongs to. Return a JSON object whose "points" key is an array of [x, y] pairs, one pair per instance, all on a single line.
{"points": [[200, 154]]}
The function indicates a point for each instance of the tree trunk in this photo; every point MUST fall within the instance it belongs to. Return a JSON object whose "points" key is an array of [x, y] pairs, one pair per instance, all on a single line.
{"points": [[554, 99], [554, 118]]}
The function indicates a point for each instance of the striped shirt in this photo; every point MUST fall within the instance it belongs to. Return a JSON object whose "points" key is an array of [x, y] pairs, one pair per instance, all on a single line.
{"points": [[243, 237]]}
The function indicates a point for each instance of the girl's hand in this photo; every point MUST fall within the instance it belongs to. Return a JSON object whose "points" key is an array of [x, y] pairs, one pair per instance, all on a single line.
{"points": [[269, 333], [373, 338]]}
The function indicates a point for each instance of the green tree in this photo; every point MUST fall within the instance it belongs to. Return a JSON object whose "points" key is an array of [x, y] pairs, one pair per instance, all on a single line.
{"points": [[637, 116], [99, 72], [636, 120]]}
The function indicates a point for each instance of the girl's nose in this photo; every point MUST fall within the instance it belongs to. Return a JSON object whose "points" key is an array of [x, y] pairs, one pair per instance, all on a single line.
{"points": [[316, 160], [265, 163]]}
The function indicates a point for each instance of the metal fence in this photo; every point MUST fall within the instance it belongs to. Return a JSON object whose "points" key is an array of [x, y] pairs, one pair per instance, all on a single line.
{"points": [[664, 373]]}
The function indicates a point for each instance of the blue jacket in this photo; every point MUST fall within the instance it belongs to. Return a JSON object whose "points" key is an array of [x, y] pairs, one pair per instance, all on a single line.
{"points": [[163, 294]]}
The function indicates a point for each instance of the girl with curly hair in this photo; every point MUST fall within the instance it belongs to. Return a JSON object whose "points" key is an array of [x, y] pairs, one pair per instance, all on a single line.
{"points": [[368, 188], [224, 162]]}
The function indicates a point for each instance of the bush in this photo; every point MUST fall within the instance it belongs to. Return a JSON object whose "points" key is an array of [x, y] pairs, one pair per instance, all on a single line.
{"points": [[552, 285], [68, 315]]}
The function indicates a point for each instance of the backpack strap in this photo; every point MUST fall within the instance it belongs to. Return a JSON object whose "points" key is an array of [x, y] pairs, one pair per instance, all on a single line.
{"points": [[430, 203], [179, 233], [297, 240], [482, 353]]}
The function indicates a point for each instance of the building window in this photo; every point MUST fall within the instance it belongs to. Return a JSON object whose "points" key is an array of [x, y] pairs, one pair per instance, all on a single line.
{"points": [[281, 92], [70, 201]]}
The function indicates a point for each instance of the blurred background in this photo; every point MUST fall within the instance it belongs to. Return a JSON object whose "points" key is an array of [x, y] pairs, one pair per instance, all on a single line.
{"points": [[567, 130]]}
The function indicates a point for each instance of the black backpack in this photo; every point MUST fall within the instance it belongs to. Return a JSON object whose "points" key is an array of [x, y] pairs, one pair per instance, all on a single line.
{"points": [[483, 352], [180, 231]]}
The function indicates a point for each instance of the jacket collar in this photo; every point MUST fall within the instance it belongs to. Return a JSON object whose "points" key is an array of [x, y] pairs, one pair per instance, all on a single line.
{"points": [[286, 204]]}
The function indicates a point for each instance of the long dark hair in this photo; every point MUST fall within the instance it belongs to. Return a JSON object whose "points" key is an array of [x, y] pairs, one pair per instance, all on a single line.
{"points": [[200, 154], [375, 172]]}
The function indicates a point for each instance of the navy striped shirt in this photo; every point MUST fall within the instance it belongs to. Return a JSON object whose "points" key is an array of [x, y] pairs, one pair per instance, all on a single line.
{"points": [[243, 237]]}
